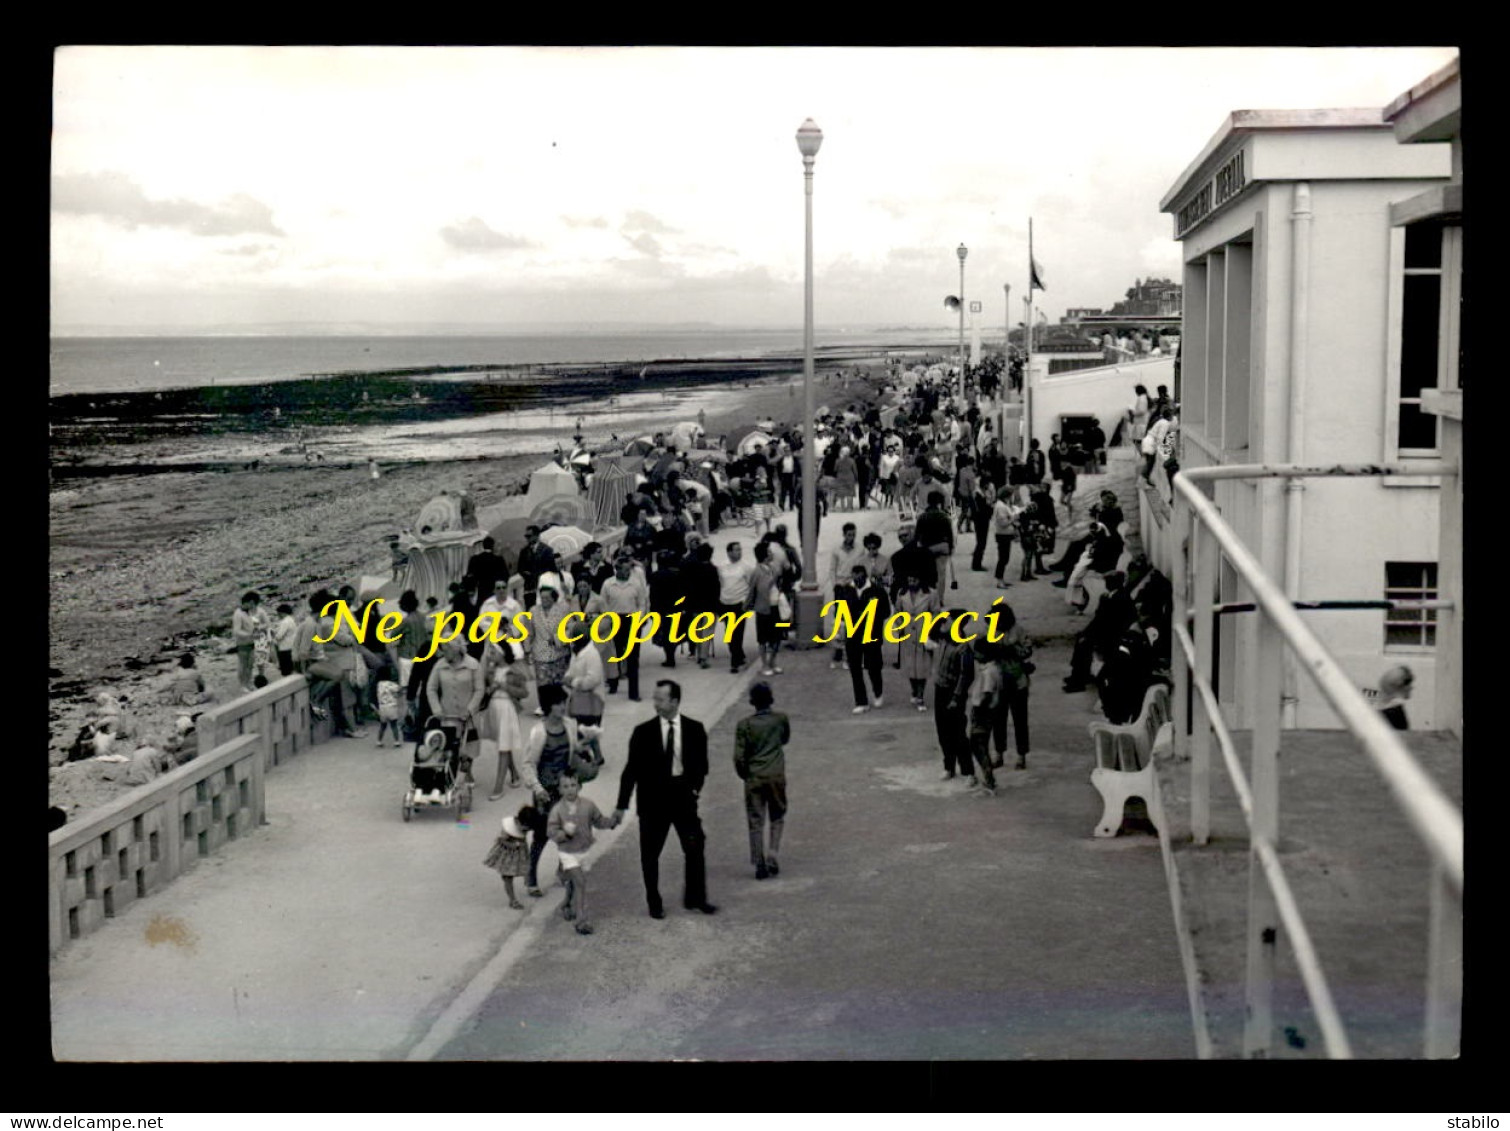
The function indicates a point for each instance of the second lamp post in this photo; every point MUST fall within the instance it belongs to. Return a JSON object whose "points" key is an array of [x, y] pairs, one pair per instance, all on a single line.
{"points": [[962, 252]]}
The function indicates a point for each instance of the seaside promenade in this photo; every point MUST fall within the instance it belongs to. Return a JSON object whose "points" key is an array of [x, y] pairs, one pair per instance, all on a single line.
{"points": [[911, 919]]}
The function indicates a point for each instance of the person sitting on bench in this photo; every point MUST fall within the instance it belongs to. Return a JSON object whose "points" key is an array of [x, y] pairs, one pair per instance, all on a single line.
{"points": [[1115, 614]]}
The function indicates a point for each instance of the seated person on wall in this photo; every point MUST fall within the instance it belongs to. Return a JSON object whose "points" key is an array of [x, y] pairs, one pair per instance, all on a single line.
{"points": [[1106, 511], [1153, 597], [1115, 614], [1125, 675]]}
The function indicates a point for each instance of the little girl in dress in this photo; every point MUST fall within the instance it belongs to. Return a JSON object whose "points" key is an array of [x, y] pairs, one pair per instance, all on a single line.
{"points": [[510, 854]]}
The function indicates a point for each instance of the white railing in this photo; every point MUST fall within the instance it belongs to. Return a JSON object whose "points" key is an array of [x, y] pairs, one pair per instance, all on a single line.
{"points": [[1201, 539]]}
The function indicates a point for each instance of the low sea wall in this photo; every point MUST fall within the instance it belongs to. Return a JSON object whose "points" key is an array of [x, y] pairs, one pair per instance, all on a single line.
{"points": [[143, 841], [278, 715]]}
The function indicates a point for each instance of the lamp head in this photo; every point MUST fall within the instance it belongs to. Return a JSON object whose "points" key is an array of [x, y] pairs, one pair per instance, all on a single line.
{"points": [[809, 138], [962, 252]]}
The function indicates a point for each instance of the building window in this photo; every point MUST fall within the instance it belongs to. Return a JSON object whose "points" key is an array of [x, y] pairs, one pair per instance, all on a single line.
{"points": [[1420, 337], [1410, 629]]}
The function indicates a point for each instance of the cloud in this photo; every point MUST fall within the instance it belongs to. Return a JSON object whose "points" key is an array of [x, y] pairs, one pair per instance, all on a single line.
{"points": [[118, 199], [638, 221], [472, 234], [584, 221], [248, 249], [645, 244], [647, 267]]}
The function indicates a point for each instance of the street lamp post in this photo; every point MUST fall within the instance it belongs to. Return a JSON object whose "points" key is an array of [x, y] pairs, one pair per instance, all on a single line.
{"points": [[962, 252], [1006, 349], [809, 138]]}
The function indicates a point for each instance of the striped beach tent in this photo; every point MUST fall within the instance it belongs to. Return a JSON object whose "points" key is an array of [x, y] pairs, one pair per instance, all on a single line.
{"points": [[611, 481]]}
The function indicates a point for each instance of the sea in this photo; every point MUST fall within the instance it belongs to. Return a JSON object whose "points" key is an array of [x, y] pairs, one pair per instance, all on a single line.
{"points": [[119, 365], [144, 364]]}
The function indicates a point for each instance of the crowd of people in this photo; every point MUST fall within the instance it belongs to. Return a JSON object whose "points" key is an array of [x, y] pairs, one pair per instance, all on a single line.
{"points": [[930, 455]]}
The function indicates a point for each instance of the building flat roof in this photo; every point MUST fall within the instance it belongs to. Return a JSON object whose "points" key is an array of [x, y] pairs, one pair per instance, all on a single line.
{"points": [[1437, 79], [1251, 121]]}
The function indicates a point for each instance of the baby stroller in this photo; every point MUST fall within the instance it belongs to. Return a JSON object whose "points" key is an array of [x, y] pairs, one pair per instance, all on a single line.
{"points": [[440, 776]]}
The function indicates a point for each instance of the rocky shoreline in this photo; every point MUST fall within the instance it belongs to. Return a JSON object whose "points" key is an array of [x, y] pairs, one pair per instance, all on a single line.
{"points": [[148, 554], [85, 427]]}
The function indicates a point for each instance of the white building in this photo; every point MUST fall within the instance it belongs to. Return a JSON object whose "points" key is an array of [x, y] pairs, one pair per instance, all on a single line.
{"points": [[1431, 112], [1310, 333]]}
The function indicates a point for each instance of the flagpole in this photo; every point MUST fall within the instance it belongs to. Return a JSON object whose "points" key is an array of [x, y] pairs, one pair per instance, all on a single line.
{"points": [[1027, 368]]}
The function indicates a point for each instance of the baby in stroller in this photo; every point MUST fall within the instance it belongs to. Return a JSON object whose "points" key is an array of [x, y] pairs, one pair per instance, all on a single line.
{"points": [[438, 764]]}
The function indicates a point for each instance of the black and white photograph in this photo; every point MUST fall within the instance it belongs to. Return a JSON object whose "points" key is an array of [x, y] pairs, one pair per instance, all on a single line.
{"points": [[755, 554]]}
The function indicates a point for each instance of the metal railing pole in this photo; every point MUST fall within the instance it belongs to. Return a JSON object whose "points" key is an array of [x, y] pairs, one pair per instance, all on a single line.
{"points": [[1203, 598], [1179, 535], [1266, 682], [1444, 969], [1437, 822]]}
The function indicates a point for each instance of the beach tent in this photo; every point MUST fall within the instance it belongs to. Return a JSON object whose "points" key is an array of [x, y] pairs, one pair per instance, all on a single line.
{"points": [[550, 481], [614, 479], [445, 534], [751, 440]]}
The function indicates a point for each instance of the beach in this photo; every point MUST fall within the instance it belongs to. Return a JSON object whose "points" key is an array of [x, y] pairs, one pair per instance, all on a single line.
{"points": [[153, 540]]}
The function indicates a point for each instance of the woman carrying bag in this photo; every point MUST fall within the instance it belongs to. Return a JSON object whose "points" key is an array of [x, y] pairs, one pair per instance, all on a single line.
{"points": [[585, 675], [556, 744]]}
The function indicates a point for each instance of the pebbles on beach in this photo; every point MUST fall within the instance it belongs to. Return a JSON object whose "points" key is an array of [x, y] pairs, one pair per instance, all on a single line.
{"points": [[144, 567]]}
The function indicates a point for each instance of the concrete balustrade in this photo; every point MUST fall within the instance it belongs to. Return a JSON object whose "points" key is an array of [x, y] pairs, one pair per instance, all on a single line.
{"points": [[138, 844], [142, 841], [278, 714]]}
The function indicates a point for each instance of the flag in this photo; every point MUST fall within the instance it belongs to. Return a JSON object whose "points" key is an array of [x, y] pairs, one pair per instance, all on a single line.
{"points": [[1035, 272]]}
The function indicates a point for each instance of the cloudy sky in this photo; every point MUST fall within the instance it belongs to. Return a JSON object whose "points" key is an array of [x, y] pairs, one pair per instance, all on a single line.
{"points": [[208, 188]]}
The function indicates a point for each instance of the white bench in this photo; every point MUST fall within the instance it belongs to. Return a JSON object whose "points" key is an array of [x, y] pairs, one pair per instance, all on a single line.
{"points": [[1124, 759]]}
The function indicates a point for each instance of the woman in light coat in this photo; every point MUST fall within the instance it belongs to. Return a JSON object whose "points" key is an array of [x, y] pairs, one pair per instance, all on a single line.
{"points": [[505, 679], [585, 676], [913, 656], [1137, 414]]}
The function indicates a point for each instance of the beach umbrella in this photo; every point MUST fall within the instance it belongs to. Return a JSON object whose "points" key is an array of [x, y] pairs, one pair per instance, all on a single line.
{"points": [[567, 541], [562, 510], [735, 435], [685, 433], [693, 487], [508, 532], [663, 466], [639, 447], [751, 440]]}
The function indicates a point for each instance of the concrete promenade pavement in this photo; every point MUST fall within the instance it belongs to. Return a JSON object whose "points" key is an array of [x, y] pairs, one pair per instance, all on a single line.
{"points": [[910, 920]]}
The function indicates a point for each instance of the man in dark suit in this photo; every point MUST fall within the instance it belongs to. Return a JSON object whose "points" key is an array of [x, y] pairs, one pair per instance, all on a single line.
{"points": [[863, 656], [668, 762], [1115, 614], [488, 567]]}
